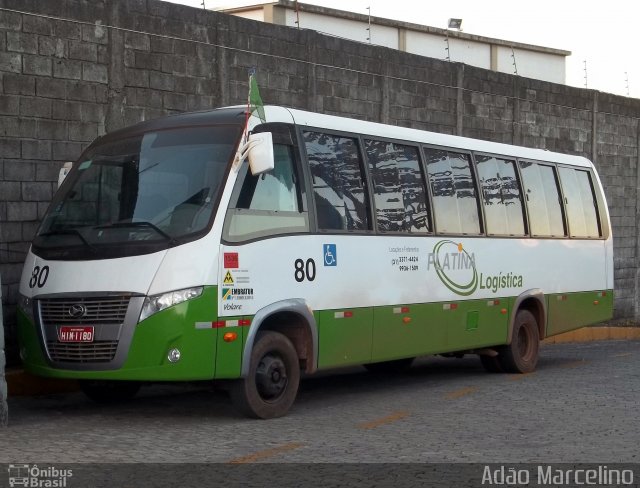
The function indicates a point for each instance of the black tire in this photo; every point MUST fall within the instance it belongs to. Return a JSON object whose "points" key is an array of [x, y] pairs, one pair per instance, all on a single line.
{"points": [[271, 386], [521, 356], [491, 364], [388, 367], [109, 391]]}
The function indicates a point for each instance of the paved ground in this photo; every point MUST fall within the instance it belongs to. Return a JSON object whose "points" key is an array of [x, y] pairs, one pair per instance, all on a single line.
{"points": [[582, 405]]}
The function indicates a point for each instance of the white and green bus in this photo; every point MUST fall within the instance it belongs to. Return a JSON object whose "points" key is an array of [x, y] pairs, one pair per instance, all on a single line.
{"points": [[166, 257]]}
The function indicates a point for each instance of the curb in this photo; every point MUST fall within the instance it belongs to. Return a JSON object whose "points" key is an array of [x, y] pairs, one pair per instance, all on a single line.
{"points": [[21, 383], [589, 334]]}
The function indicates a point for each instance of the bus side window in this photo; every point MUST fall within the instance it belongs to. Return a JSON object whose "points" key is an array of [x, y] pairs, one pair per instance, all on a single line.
{"points": [[455, 203], [399, 191], [266, 204], [582, 210], [338, 182], [543, 200], [501, 197]]}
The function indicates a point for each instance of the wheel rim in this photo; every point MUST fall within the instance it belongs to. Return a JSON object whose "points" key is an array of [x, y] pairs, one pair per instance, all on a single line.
{"points": [[525, 343], [271, 377]]}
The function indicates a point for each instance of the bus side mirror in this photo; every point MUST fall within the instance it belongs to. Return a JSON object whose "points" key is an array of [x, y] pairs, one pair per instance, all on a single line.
{"points": [[64, 171], [259, 151]]}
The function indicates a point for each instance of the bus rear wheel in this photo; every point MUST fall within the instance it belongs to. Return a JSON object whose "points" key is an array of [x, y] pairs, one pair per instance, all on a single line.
{"points": [[271, 386], [521, 356], [109, 391]]}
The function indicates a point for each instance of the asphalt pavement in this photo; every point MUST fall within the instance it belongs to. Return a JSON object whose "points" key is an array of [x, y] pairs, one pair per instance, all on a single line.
{"points": [[580, 406]]}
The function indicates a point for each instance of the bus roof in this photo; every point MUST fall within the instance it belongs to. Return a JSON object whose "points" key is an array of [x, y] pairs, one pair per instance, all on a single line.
{"points": [[344, 124], [221, 116], [236, 114]]}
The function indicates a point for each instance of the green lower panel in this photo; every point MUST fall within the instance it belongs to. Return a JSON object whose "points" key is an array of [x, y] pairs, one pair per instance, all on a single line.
{"points": [[476, 323], [30, 349], [393, 332], [175, 328], [229, 354], [416, 330], [147, 359], [344, 339], [408, 330], [570, 311]]}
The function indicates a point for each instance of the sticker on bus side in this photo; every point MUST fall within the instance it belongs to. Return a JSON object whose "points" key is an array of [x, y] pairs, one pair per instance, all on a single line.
{"points": [[231, 260], [330, 255], [228, 278], [236, 291]]}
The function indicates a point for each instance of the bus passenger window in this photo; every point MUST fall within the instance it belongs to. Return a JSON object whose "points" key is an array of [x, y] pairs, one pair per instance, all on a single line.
{"points": [[500, 196], [543, 200], [399, 192], [580, 203], [338, 182], [455, 204]]}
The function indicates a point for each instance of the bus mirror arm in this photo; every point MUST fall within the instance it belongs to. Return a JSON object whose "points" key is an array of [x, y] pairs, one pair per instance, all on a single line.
{"points": [[259, 150]]}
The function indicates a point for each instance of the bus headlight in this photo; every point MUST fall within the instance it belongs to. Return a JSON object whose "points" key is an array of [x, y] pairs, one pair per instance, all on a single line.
{"points": [[157, 303]]}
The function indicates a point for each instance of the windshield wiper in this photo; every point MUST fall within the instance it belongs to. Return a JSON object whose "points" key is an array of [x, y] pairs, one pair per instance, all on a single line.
{"points": [[71, 232], [141, 223]]}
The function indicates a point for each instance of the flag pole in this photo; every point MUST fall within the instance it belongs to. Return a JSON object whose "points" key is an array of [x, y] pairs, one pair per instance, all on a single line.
{"points": [[252, 72], [245, 133]]}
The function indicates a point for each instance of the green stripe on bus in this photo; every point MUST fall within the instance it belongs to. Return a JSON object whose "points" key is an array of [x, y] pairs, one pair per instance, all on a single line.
{"points": [[347, 336]]}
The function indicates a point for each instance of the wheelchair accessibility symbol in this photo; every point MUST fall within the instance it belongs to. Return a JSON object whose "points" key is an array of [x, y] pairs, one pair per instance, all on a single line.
{"points": [[330, 255]]}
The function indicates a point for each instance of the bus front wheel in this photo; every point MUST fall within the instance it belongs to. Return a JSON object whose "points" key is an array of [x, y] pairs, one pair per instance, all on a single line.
{"points": [[521, 356], [271, 386]]}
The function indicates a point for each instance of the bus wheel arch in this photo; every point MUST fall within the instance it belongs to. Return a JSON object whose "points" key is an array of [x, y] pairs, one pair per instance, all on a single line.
{"points": [[533, 301], [291, 318]]}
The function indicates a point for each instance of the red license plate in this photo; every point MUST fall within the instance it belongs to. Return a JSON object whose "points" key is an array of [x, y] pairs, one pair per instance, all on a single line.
{"points": [[70, 333]]}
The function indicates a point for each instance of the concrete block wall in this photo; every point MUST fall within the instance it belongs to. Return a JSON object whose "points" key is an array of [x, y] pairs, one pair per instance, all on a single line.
{"points": [[4, 409], [71, 70], [617, 139]]}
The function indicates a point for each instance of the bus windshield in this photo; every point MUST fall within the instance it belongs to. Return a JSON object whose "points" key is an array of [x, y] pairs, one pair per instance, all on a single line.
{"points": [[138, 194]]}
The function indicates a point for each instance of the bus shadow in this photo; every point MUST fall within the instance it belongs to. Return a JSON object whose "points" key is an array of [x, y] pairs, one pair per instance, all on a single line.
{"points": [[425, 372], [154, 402], [184, 400]]}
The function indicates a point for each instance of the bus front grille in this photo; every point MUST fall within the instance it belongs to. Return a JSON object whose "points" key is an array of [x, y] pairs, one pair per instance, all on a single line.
{"points": [[92, 352], [89, 311]]}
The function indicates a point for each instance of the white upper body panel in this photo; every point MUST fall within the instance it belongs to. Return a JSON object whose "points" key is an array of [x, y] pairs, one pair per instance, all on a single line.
{"points": [[368, 267]]}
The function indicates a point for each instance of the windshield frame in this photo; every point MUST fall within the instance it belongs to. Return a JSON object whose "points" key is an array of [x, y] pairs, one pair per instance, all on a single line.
{"points": [[83, 250]]}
